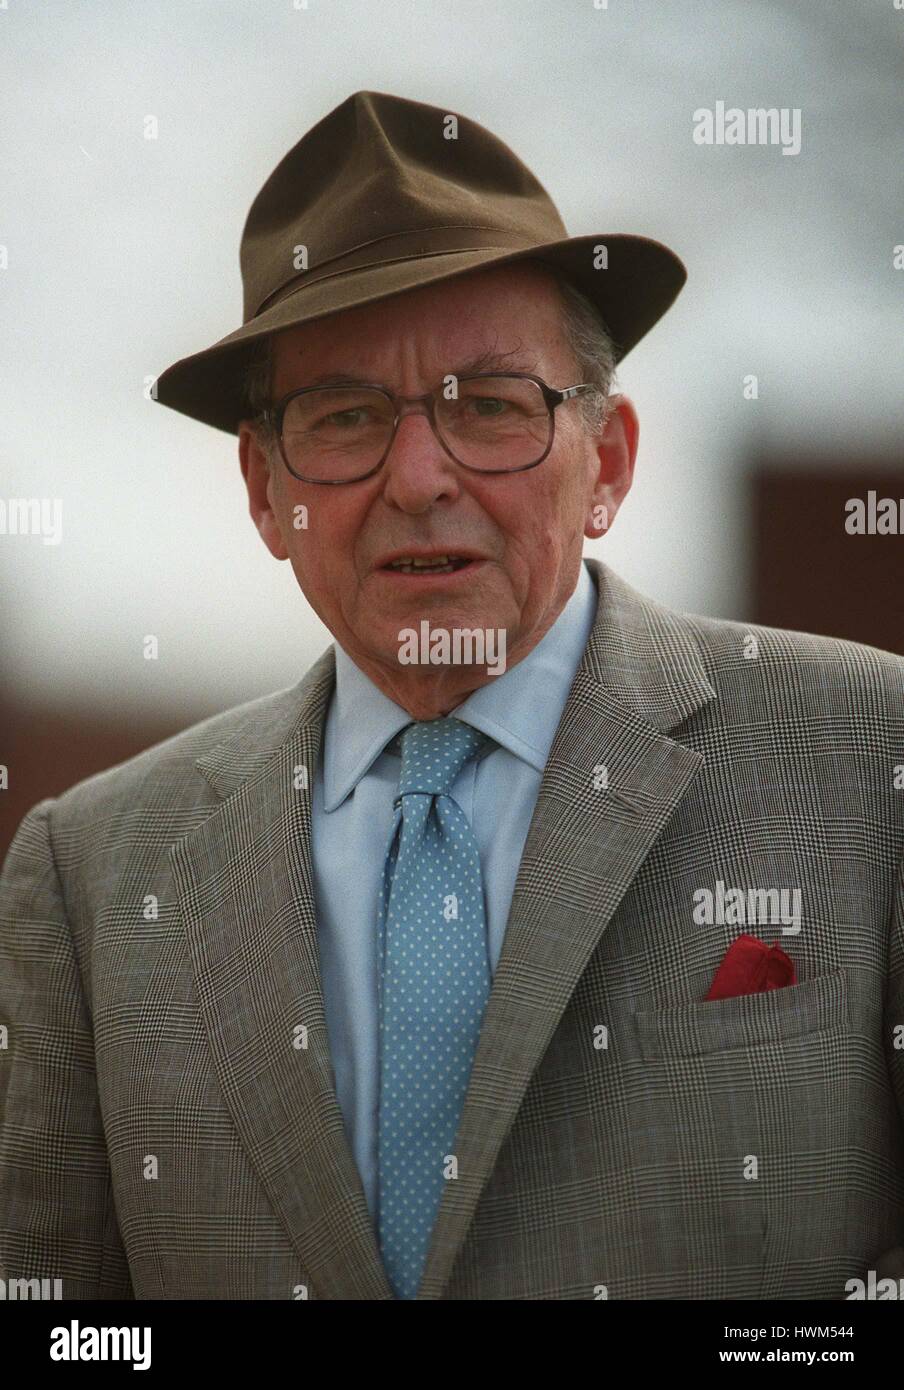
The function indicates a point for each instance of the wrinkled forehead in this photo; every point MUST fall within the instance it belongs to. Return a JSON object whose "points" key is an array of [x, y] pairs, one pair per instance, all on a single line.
{"points": [[506, 318]]}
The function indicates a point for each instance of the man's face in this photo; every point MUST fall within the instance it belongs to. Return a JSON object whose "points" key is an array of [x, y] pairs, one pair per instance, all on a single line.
{"points": [[526, 529]]}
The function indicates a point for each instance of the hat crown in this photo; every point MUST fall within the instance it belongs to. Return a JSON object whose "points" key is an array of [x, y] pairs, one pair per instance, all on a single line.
{"points": [[380, 169], [386, 196]]}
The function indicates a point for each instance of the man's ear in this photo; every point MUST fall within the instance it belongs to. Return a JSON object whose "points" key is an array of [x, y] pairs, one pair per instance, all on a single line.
{"points": [[261, 485], [616, 451]]}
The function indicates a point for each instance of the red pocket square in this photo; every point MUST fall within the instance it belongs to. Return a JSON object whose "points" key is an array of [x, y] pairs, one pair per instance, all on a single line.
{"points": [[749, 966]]}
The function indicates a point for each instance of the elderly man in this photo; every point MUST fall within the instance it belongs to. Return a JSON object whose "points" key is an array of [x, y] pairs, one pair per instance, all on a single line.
{"points": [[542, 942]]}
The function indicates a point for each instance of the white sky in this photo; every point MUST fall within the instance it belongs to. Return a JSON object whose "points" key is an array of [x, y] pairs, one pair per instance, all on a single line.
{"points": [[123, 257]]}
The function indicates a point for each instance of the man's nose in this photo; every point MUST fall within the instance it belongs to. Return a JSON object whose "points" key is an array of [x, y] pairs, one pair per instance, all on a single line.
{"points": [[418, 471]]}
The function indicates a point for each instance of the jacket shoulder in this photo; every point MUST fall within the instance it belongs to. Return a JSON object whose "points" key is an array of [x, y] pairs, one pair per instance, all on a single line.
{"points": [[800, 674], [721, 640], [168, 773]]}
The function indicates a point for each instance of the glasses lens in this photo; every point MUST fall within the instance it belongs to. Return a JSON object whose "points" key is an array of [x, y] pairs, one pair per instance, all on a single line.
{"points": [[496, 423], [336, 432]]}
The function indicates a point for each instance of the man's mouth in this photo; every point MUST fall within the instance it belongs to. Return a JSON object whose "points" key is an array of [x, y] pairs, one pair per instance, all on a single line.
{"points": [[435, 564]]}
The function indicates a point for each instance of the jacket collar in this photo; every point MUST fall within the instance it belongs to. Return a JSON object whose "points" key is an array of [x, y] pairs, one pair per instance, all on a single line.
{"points": [[640, 654]]}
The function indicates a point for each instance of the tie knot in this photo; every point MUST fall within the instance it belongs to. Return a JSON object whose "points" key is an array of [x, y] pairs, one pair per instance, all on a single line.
{"points": [[433, 754]]}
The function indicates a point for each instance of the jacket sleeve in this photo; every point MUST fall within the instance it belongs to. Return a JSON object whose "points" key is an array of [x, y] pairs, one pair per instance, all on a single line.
{"points": [[894, 998], [57, 1217], [891, 1262]]}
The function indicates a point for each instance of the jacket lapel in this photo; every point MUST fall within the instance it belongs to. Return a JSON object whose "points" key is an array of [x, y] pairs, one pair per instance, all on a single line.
{"points": [[247, 897], [640, 676]]}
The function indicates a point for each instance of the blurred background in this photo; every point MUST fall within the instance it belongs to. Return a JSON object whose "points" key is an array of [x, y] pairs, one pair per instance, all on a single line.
{"points": [[770, 395]]}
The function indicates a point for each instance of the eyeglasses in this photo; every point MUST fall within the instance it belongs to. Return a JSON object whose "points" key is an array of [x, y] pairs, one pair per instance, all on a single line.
{"points": [[488, 423]]}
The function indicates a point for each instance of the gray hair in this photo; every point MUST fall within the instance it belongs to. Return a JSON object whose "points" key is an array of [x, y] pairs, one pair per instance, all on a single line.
{"points": [[593, 351], [585, 334]]}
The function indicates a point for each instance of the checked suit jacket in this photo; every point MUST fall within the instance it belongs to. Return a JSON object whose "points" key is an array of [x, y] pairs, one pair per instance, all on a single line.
{"points": [[163, 1137]]}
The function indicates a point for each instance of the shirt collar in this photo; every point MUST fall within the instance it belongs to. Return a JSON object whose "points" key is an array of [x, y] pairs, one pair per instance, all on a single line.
{"points": [[520, 710]]}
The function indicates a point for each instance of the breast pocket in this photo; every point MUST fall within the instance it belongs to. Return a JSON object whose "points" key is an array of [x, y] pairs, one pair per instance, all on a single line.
{"points": [[721, 1025]]}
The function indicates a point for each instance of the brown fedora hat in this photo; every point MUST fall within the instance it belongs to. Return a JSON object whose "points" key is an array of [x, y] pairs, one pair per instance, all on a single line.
{"points": [[384, 195]]}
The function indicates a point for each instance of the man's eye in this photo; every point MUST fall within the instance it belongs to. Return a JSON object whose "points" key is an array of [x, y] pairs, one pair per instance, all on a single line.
{"points": [[488, 405], [343, 419]]}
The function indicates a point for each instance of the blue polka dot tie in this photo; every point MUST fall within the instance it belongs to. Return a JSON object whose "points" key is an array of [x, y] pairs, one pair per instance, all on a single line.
{"points": [[434, 985]]}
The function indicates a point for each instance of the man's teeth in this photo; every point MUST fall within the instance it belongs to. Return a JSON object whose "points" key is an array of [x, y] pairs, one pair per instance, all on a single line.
{"points": [[440, 564]]}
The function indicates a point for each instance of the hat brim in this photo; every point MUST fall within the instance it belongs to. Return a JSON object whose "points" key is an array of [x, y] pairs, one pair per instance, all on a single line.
{"points": [[642, 280]]}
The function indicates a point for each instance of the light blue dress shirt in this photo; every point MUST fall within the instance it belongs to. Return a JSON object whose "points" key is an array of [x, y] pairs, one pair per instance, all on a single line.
{"points": [[354, 787]]}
